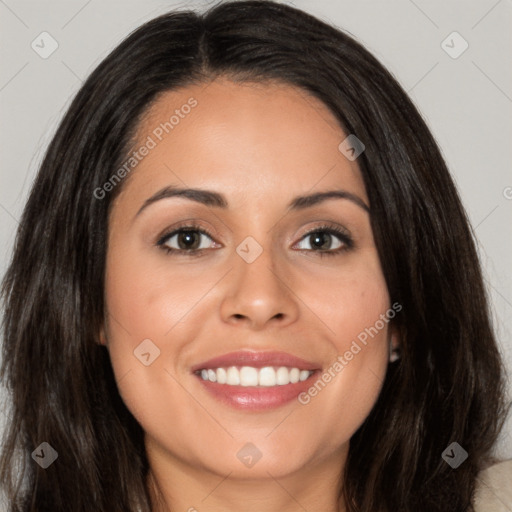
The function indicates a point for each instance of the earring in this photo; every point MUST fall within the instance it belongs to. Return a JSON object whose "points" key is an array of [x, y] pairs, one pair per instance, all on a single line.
{"points": [[394, 353]]}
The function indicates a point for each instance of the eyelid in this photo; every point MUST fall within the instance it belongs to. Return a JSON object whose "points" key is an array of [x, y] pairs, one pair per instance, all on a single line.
{"points": [[333, 229], [186, 225], [336, 230], [326, 226]]}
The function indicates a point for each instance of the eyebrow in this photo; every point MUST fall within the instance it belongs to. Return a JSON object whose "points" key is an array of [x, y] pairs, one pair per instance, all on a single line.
{"points": [[217, 200]]}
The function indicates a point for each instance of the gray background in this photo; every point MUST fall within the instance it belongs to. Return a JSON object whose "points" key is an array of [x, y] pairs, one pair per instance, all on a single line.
{"points": [[466, 101]]}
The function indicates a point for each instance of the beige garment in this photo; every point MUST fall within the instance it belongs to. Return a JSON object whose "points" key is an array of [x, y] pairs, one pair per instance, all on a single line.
{"points": [[494, 488]]}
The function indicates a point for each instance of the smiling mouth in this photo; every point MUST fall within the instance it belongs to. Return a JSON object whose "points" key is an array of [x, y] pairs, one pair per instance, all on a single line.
{"points": [[267, 376], [255, 380]]}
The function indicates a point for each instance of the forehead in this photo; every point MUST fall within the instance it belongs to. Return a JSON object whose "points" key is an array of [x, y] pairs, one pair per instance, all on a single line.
{"points": [[259, 141]]}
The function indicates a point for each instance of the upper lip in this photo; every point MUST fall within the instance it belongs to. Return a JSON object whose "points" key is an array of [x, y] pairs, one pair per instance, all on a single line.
{"points": [[256, 360]]}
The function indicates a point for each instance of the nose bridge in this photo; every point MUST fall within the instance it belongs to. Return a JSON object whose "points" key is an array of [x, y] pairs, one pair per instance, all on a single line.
{"points": [[256, 265], [258, 292]]}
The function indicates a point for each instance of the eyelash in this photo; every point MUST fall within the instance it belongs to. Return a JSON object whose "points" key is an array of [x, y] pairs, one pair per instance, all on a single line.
{"points": [[341, 234]]}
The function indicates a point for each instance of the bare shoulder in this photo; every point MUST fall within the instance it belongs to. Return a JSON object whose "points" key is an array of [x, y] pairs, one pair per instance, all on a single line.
{"points": [[494, 488]]}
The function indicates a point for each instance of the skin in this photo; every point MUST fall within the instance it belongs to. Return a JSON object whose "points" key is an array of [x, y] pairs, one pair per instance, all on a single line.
{"points": [[260, 145]]}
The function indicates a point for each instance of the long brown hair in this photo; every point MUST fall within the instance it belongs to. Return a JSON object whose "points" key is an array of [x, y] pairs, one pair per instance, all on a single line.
{"points": [[448, 385]]}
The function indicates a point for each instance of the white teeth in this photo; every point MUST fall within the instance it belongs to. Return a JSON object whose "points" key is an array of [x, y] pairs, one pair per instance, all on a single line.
{"points": [[267, 376], [233, 376], [249, 376], [304, 374], [222, 376], [283, 376]]}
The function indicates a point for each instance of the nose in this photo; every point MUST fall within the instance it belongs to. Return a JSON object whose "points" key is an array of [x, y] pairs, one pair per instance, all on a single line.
{"points": [[259, 294]]}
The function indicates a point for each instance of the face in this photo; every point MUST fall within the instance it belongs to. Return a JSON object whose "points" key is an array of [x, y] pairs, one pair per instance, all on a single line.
{"points": [[253, 272]]}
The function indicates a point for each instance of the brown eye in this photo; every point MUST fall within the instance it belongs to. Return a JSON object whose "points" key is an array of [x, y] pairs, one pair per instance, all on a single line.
{"points": [[321, 240], [326, 240], [188, 239]]}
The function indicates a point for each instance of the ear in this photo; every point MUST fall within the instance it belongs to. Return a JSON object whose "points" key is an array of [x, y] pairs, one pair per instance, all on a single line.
{"points": [[102, 338]]}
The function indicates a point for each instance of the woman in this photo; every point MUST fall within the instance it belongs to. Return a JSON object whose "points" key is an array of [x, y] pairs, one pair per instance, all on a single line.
{"points": [[244, 279]]}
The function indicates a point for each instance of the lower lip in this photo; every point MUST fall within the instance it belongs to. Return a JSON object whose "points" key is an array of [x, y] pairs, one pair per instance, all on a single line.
{"points": [[256, 397]]}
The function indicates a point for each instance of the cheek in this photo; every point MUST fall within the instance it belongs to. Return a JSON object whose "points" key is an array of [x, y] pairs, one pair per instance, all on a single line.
{"points": [[145, 305], [349, 302], [360, 320], [355, 306], [145, 298]]}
